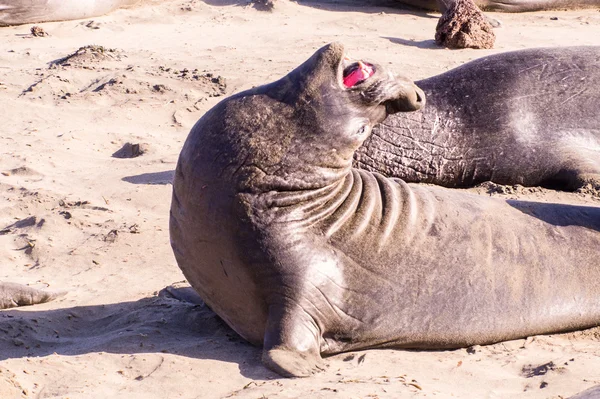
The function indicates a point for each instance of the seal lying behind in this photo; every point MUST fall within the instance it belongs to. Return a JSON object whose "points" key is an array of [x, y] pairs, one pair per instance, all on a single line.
{"points": [[17, 12], [527, 117], [507, 5], [12, 295], [298, 251]]}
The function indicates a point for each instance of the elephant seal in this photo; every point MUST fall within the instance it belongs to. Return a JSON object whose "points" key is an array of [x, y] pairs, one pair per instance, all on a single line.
{"points": [[12, 295], [506, 5], [526, 117], [463, 25], [17, 12], [303, 254]]}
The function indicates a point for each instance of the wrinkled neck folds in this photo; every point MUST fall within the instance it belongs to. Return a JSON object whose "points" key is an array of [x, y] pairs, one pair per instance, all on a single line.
{"points": [[293, 140], [360, 206]]}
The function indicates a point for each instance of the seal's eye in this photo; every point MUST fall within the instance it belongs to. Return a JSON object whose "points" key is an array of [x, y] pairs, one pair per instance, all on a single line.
{"points": [[357, 73], [364, 129]]}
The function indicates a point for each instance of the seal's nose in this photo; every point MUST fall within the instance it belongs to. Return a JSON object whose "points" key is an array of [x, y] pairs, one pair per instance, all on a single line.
{"points": [[410, 98]]}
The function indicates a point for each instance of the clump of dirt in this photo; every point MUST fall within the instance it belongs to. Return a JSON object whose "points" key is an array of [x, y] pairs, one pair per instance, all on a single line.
{"points": [[130, 150], [589, 189], [160, 88], [263, 5], [214, 86], [37, 31], [119, 83], [25, 232], [588, 193], [21, 171], [463, 25], [516, 189], [116, 81], [530, 370], [50, 84], [91, 54], [75, 79], [591, 334]]}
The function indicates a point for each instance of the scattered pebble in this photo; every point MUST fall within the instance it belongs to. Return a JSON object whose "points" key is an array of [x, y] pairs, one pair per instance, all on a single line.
{"points": [[38, 31], [130, 150]]}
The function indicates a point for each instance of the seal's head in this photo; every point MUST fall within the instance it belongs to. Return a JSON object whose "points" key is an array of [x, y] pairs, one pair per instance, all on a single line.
{"points": [[341, 99], [302, 130]]}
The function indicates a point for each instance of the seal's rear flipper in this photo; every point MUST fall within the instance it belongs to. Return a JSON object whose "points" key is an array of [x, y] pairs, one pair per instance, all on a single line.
{"points": [[291, 346], [12, 295]]}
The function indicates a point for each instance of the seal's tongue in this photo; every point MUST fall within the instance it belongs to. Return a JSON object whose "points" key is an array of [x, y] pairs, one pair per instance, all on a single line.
{"points": [[357, 72]]}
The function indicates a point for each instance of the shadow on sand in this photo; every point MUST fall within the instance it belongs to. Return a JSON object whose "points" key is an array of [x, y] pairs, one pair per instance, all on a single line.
{"points": [[165, 177], [560, 214], [425, 44], [149, 325]]}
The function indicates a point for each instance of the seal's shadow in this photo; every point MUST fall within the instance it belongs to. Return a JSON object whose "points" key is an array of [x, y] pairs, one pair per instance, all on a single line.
{"points": [[165, 177], [425, 44], [560, 214], [156, 324]]}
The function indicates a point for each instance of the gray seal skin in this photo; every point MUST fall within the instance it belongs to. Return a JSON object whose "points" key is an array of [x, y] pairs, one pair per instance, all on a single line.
{"points": [[17, 12], [528, 117], [507, 5], [592, 393], [12, 295], [303, 254]]}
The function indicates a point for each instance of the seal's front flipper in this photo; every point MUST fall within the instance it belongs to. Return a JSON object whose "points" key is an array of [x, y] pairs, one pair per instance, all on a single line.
{"points": [[12, 295], [291, 346], [291, 363]]}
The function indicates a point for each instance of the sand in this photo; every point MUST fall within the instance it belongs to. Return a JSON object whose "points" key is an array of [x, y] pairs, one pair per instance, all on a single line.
{"points": [[88, 145]]}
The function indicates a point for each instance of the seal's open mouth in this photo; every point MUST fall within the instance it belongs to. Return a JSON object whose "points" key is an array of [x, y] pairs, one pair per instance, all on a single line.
{"points": [[357, 72]]}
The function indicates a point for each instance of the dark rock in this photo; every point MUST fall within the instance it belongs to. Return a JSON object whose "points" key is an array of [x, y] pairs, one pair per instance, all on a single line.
{"points": [[463, 25]]}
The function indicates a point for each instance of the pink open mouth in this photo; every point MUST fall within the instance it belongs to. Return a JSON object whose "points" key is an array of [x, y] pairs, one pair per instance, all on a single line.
{"points": [[357, 72]]}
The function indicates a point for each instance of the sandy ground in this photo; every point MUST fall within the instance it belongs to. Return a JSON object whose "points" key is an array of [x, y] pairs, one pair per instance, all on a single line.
{"points": [[76, 217]]}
